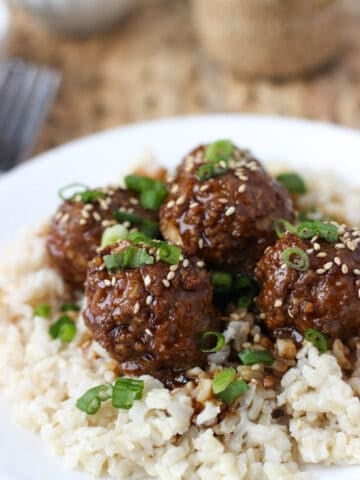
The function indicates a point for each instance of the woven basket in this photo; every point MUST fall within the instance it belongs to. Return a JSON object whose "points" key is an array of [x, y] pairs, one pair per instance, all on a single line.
{"points": [[273, 38]]}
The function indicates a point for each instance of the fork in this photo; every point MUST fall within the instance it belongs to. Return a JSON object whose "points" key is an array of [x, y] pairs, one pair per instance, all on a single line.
{"points": [[26, 95]]}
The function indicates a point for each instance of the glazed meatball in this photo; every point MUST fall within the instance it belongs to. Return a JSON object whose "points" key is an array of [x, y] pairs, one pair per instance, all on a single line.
{"points": [[227, 219], [325, 296], [150, 318], [77, 227]]}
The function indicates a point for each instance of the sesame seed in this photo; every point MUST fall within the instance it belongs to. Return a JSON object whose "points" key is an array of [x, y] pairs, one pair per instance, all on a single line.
{"points": [[242, 188], [149, 299], [136, 307], [170, 275], [344, 269], [321, 254], [149, 332], [316, 246], [357, 271], [278, 303], [174, 188], [310, 251], [171, 204], [101, 267], [328, 265], [88, 206], [193, 204], [262, 316], [244, 178], [201, 243], [82, 221], [320, 271], [147, 280], [134, 201], [166, 283], [107, 282], [337, 260], [103, 204], [173, 268], [85, 214], [230, 211], [223, 200], [351, 245], [186, 263], [339, 245], [203, 188], [200, 264], [97, 216], [359, 293], [180, 200]]}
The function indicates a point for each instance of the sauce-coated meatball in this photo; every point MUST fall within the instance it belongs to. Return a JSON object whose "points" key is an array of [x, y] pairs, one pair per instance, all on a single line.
{"points": [[325, 296], [77, 227], [228, 219], [150, 318]]}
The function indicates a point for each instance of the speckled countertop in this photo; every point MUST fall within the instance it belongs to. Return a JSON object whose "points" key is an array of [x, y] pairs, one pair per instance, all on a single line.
{"points": [[149, 67]]}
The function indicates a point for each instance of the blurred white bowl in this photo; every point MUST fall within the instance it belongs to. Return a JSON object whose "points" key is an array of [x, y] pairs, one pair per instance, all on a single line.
{"points": [[4, 26], [78, 16]]}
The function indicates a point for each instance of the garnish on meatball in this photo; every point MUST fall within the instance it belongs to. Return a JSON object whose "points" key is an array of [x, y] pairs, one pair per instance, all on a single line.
{"points": [[312, 282], [222, 205], [148, 307]]}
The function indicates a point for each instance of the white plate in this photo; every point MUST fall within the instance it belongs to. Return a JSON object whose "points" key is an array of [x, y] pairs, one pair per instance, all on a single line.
{"points": [[29, 194]]}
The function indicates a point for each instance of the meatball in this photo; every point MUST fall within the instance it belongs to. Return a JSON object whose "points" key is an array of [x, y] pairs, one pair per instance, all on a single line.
{"points": [[227, 219], [150, 318], [77, 227], [325, 296]]}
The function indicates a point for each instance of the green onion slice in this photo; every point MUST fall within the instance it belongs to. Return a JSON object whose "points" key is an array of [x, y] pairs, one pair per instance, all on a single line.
{"points": [[43, 310], [208, 339], [223, 379], [91, 400], [326, 231], [126, 391], [69, 307], [219, 151], [91, 195], [168, 253], [153, 199], [282, 226], [301, 261], [74, 189], [233, 391], [131, 257], [250, 356], [148, 227], [221, 281], [293, 182], [246, 288], [138, 237], [152, 191], [209, 170], [112, 234], [317, 338], [64, 329]]}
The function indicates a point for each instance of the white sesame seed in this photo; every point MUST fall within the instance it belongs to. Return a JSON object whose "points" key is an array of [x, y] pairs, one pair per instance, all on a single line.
{"points": [[193, 204], [88, 206], [174, 188], [328, 265], [357, 271], [186, 263], [278, 303], [339, 245], [321, 254], [173, 268], [223, 200], [242, 188], [147, 280], [149, 332], [113, 281], [103, 204], [200, 264], [316, 246], [230, 211], [201, 243], [337, 260], [351, 245], [180, 200], [136, 307], [310, 251], [97, 216], [166, 283], [344, 269], [65, 218], [262, 316], [107, 282], [203, 188], [85, 214], [101, 267], [149, 299], [171, 204], [82, 221], [170, 275], [134, 201], [320, 271]]}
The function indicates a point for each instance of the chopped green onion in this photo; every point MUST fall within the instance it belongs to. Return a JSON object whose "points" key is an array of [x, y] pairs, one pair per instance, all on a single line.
{"points": [[282, 226], [317, 338], [153, 199], [69, 307], [209, 170], [250, 357], [209, 338], [43, 311], [112, 234], [91, 400], [221, 281], [326, 231], [131, 257], [138, 237], [219, 151], [223, 379], [168, 253], [152, 191], [302, 260], [246, 288], [140, 183], [91, 195], [233, 391], [148, 227], [293, 182], [64, 329], [126, 391], [74, 189]]}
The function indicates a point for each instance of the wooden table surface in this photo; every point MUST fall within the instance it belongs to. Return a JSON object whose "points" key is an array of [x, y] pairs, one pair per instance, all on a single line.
{"points": [[150, 67]]}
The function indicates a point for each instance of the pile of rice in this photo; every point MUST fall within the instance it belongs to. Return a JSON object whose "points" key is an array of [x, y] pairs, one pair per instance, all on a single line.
{"points": [[164, 436]]}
